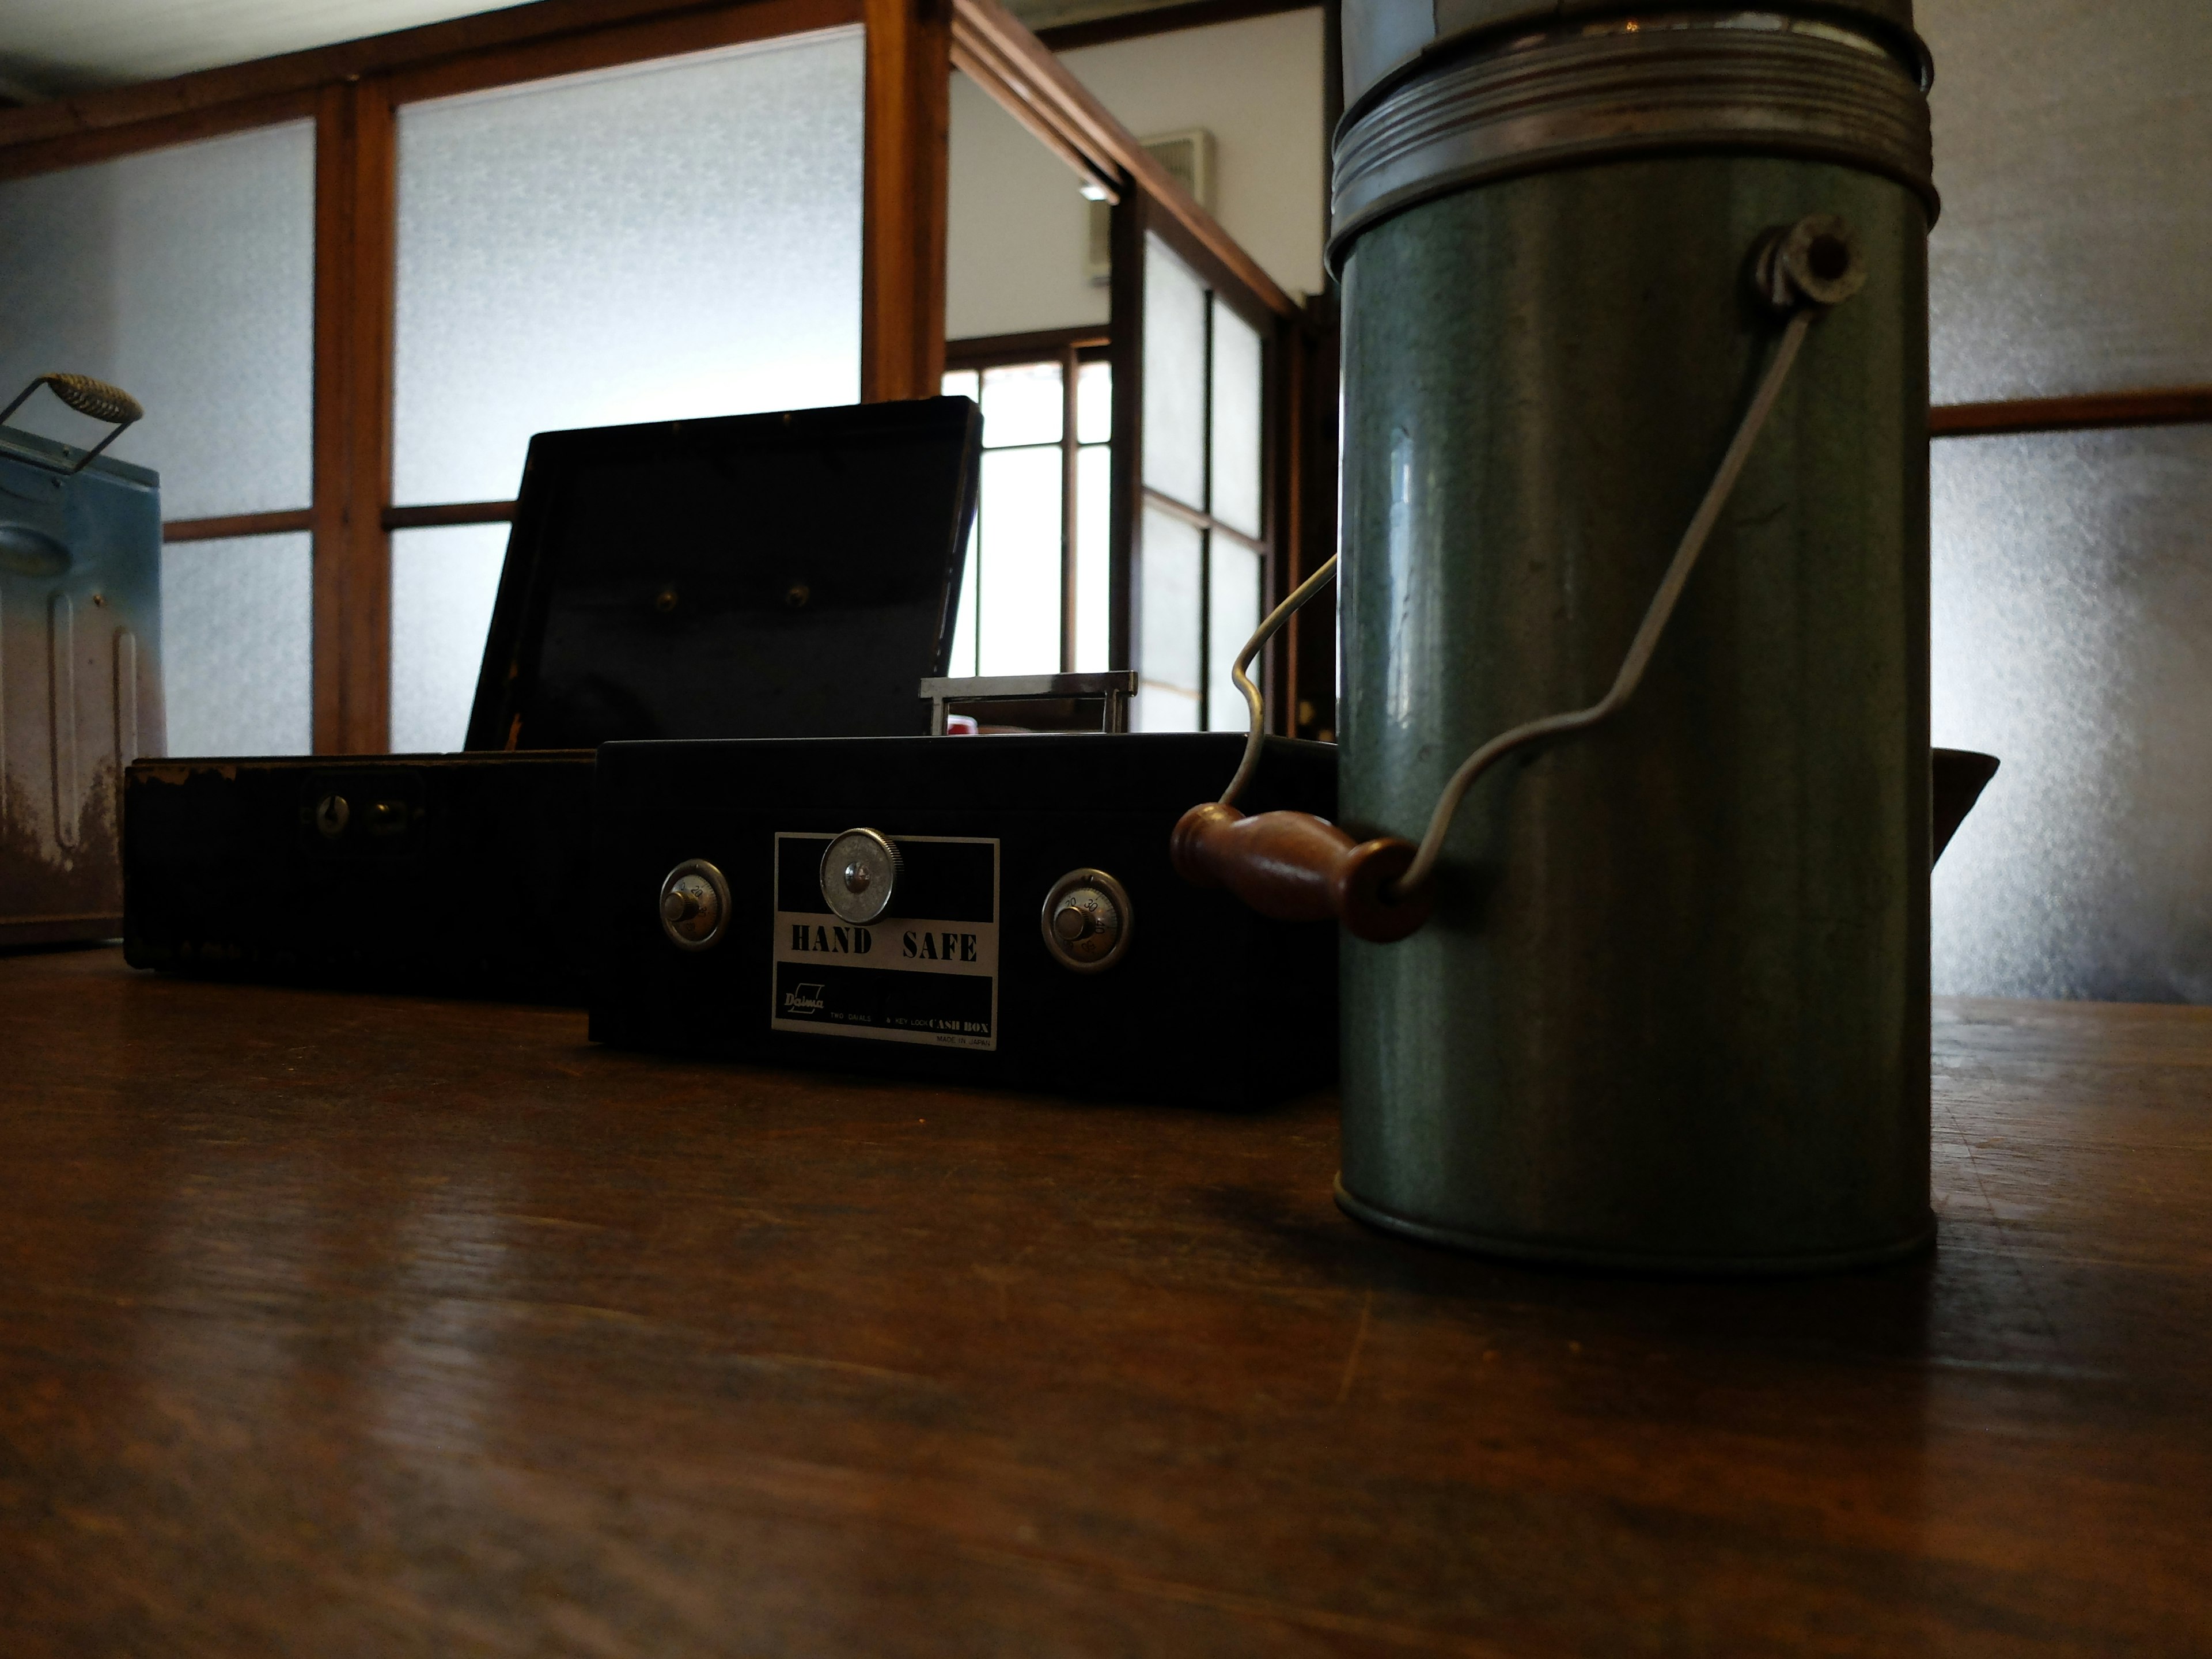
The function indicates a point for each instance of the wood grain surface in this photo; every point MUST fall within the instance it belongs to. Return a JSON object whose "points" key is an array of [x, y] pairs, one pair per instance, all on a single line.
{"points": [[342, 1325]]}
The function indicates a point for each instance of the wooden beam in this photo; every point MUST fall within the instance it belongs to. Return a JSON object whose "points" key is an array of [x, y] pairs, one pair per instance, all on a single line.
{"points": [[238, 523], [1016, 69], [633, 43], [488, 32], [903, 239], [993, 350], [355, 166], [2188, 405], [74, 150]]}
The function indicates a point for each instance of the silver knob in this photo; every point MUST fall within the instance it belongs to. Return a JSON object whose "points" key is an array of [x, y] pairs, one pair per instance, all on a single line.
{"points": [[860, 875], [1087, 921], [694, 905]]}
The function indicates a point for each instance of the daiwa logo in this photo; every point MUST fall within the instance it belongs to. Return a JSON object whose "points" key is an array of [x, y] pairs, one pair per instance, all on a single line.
{"points": [[803, 999]]}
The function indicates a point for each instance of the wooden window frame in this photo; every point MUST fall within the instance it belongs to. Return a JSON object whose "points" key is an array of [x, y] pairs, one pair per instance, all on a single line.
{"points": [[1229, 288], [1071, 348], [350, 90], [353, 91], [1014, 67]]}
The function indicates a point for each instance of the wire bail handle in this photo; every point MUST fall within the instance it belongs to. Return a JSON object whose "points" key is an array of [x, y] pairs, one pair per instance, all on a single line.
{"points": [[1309, 870], [96, 399]]}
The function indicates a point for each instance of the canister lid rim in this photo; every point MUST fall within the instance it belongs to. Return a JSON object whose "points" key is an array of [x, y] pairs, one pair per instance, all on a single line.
{"points": [[1386, 29]]}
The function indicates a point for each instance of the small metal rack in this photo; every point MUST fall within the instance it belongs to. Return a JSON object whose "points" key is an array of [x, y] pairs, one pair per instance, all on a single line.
{"points": [[1112, 688]]}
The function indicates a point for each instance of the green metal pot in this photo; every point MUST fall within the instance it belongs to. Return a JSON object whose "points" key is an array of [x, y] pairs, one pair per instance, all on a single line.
{"points": [[1672, 1010]]}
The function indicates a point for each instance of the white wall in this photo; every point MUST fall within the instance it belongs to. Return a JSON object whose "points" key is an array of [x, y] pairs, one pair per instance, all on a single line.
{"points": [[1018, 230], [1015, 230]]}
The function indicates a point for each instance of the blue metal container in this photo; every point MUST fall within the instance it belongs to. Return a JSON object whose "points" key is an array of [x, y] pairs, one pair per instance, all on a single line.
{"points": [[80, 671]]}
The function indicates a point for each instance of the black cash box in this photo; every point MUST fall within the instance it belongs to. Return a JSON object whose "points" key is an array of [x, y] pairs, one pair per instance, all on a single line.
{"points": [[994, 910], [788, 574]]}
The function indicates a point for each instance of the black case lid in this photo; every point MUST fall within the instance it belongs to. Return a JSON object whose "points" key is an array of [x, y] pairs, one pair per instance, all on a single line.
{"points": [[787, 575]]}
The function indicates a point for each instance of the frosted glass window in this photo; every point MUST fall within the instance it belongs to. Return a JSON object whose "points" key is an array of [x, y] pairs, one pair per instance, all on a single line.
{"points": [[1094, 504], [1176, 304], [1023, 405], [1237, 415], [1204, 416], [443, 584], [2071, 609], [2074, 150], [1232, 612], [237, 621], [1011, 615], [1017, 617], [665, 240], [1169, 577], [186, 277]]}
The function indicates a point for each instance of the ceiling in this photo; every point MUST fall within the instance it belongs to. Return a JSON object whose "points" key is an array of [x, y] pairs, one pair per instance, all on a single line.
{"points": [[52, 47]]}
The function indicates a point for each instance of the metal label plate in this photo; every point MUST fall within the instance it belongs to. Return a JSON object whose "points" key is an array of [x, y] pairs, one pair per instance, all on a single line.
{"points": [[927, 972]]}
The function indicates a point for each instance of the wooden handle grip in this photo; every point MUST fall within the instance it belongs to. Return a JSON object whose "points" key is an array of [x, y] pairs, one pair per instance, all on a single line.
{"points": [[1297, 867]]}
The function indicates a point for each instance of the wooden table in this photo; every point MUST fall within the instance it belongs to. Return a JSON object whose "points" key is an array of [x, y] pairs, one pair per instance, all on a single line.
{"points": [[340, 1325]]}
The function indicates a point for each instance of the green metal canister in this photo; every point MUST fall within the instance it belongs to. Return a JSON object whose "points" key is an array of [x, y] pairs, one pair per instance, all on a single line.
{"points": [[1672, 1009]]}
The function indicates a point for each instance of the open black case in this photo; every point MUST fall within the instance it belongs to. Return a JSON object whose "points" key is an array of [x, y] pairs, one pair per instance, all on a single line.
{"points": [[780, 576]]}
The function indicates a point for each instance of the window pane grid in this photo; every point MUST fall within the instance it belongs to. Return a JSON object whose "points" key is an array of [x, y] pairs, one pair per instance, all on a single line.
{"points": [[1202, 551], [1036, 587]]}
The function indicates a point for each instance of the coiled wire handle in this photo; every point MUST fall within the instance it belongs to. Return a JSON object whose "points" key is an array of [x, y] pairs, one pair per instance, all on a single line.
{"points": [[1308, 870], [96, 399]]}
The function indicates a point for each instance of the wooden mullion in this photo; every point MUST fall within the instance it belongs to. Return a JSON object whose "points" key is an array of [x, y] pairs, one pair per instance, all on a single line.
{"points": [[230, 526], [998, 350], [909, 67], [1069, 451], [1126, 467], [355, 195], [2092, 412]]}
